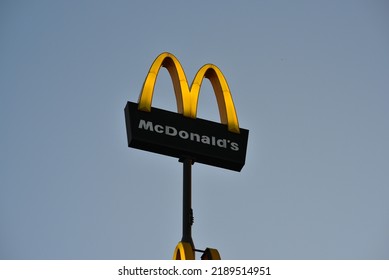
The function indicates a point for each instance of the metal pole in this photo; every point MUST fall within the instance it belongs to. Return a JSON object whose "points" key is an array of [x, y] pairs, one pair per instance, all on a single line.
{"points": [[187, 213]]}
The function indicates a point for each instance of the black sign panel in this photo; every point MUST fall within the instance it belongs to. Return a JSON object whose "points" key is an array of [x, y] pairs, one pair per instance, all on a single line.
{"points": [[172, 134]]}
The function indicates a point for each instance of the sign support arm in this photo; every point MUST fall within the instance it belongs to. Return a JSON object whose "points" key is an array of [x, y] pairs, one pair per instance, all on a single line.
{"points": [[187, 211]]}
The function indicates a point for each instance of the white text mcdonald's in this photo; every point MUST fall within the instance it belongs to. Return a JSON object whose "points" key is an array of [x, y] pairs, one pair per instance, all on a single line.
{"points": [[182, 134]]}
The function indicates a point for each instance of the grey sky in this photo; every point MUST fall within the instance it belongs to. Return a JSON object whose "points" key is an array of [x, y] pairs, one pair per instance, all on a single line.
{"points": [[309, 80]]}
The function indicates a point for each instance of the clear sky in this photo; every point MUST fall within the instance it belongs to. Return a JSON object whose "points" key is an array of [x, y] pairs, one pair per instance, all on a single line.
{"points": [[310, 80]]}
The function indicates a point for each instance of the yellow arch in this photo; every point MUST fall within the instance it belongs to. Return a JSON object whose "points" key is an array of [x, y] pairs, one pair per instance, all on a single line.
{"points": [[183, 251], [187, 98], [211, 254]]}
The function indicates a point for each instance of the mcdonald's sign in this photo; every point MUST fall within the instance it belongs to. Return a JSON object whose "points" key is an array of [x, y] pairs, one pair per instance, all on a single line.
{"points": [[182, 134]]}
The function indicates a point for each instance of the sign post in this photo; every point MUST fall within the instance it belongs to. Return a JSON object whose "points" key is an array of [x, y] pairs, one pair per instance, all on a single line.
{"points": [[187, 211], [186, 137]]}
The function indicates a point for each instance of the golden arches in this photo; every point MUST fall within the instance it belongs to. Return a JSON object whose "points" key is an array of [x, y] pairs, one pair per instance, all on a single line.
{"points": [[184, 251], [187, 98]]}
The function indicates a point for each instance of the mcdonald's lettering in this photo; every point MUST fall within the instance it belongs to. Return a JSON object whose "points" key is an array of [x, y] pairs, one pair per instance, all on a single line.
{"points": [[171, 131], [182, 134]]}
